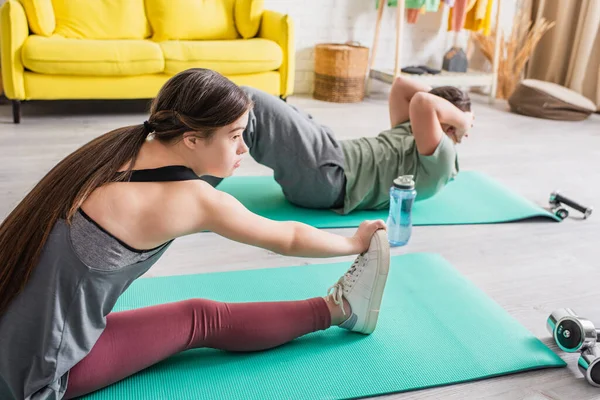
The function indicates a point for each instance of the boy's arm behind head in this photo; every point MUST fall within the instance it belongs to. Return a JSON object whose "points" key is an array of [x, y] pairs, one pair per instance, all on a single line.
{"points": [[402, 92]]}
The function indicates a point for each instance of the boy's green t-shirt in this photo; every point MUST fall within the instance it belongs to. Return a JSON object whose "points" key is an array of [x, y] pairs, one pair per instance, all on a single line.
{"points": [[372, 164]]}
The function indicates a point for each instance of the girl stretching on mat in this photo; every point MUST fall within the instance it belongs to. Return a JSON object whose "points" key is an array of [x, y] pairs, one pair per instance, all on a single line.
{"points": [[106, 213], [315, 170]]}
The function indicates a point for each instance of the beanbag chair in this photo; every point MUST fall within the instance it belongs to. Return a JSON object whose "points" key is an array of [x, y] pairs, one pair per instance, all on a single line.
{"points": [[550, 101]]}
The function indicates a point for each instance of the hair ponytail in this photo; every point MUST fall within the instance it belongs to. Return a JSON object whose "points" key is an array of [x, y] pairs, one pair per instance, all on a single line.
{"points": [[58, 195]]}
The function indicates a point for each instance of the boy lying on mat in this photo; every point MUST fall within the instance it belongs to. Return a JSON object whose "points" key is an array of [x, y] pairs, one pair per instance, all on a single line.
{"points": [[315, 170], [106, 213]]}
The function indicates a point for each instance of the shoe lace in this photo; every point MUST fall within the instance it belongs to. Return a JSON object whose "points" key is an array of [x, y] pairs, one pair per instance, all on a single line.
{"points": [[336, 291]]}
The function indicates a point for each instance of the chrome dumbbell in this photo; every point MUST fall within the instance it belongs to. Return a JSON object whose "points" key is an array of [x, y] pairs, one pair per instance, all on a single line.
{"points": [[589, 365], [571, 332], [559, 211], [557, 200]]}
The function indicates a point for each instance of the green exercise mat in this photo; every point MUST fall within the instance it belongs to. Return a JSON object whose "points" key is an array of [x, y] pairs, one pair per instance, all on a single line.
{"points": [[471, 198], [435, 328]]}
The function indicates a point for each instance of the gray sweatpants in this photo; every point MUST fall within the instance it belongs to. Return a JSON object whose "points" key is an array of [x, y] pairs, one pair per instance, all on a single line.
{"points": [[306, 159]]}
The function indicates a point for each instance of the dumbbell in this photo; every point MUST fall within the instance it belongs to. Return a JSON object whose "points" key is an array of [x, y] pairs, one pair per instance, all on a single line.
{"points": [[573, 333], [559, 211], [557, 200], [589, 365]]}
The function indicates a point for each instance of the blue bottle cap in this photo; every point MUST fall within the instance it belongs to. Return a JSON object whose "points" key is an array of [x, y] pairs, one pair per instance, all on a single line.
{"points": [[404, 182]]}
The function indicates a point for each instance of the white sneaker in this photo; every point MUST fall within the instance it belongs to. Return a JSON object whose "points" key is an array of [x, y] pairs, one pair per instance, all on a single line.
{"points": [[362, 285]]}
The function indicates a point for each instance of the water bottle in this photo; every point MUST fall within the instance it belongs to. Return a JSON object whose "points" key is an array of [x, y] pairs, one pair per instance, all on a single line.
{"points": [[399, 223]]}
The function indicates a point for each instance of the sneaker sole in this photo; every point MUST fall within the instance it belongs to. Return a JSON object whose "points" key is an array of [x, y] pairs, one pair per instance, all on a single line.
{"points": [[383, 267]]}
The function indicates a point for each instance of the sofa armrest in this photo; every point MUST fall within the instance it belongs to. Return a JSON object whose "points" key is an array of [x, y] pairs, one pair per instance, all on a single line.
{"points": [[280, 29], [13, 32]]}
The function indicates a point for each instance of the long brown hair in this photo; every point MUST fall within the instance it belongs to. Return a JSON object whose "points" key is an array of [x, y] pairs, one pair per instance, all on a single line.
{"points": [[196, 100]]}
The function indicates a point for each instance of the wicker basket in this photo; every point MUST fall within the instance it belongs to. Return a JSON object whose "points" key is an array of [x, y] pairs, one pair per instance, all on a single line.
{"points": [[340, 72]]}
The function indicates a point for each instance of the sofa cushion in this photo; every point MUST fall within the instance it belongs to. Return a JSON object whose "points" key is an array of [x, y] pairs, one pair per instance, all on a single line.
{"points": [[191, 19], [101, 19], [60, 56], [228, 57], [40, 16], [247, 17]]}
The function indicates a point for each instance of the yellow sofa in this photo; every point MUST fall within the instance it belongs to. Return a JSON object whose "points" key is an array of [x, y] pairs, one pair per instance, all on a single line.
{"points": [[127, 49]]}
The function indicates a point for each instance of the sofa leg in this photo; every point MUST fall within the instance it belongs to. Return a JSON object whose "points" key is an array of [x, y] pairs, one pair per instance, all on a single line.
{"points": [[16, 106], [283, 98]]}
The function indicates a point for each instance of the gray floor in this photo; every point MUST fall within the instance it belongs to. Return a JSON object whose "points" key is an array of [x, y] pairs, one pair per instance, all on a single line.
{"points": [[529, 268]]}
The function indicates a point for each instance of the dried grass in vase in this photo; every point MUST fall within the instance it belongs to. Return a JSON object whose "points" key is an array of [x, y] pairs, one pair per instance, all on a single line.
{"points": [[514, 52]]}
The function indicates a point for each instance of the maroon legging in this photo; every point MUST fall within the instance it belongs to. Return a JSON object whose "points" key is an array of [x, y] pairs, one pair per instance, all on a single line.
{"points": [[136, 339]]}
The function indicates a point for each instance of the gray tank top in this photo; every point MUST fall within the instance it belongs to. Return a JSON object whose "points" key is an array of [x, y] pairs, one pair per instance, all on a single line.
{"points": [[58, 317]]}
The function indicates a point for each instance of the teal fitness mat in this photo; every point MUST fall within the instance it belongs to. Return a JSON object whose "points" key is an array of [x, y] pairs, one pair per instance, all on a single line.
{"points": [[435, 328], [472, 198]]}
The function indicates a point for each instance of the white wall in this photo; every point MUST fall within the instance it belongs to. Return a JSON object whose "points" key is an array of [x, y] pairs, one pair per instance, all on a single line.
{"points": [[320, 21]]}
